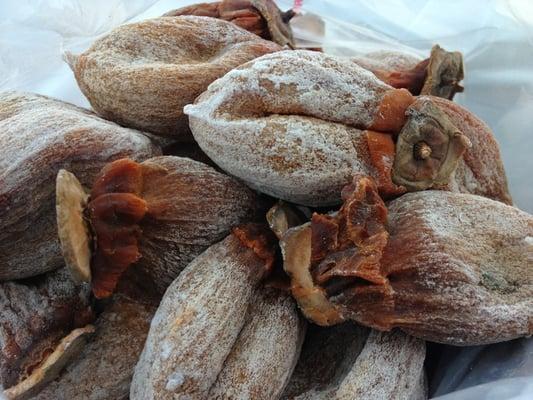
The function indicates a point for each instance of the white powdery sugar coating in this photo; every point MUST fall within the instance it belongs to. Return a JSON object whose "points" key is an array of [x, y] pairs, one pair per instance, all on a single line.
{"points": [[302, 82], [389, 367], [453, 215], [166, 347], [32, 125], [175, 380], [529, 242], [328, 354], [387, 60], [266, 350], [201, 314], [286, 122], [485, 228], [472, 262], [154, 41]]}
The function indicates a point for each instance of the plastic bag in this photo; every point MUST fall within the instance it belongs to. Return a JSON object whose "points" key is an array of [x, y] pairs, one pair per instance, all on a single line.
{"points": [[462, 367], [505, 389], [496, 38]]}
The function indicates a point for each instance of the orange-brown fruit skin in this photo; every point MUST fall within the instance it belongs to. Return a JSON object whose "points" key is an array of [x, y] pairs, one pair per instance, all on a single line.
{"points": [[38, 137], [114, 219], [200, 10], [242, 13], [458, 269], [439, 75], [159, 215], [391, 111], [121, 176], [382, 150], [260, 239], [132, 75], [411, 79]]}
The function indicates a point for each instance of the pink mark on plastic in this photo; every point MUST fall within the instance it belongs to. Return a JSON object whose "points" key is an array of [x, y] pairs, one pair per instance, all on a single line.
{"points": [[297, 5]]}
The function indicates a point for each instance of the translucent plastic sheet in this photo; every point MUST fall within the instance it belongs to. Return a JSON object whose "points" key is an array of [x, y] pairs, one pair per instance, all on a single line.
{"points": [[496, 38]]}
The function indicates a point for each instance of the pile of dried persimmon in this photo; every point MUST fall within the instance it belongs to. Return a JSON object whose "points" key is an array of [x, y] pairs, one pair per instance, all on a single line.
{"points": [[241, 219]]}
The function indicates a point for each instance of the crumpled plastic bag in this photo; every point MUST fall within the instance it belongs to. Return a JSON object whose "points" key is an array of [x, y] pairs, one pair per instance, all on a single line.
{"points": [[505, 389], [505, 367], [496, 38]]}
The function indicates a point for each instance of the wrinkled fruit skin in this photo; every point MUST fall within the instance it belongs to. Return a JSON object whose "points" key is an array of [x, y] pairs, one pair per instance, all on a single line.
{"points": [[34, 315], [325, 353], [298, 125], [104, 370], [390, 365], [447, 267], [39, 136], [202, 313], [142, 74], [266, 349], [480, 171], [472, 260], [159, 215], [291, 124]]}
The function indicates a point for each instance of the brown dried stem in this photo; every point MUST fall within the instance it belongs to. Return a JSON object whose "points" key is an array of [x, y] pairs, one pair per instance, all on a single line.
{"points": [[428, 148], [261, 17], [439, 75], [444, 72]]}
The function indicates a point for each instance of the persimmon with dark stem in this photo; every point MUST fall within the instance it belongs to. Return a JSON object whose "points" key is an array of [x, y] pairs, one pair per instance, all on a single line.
{"points": [[157, 215], [439, 265]]}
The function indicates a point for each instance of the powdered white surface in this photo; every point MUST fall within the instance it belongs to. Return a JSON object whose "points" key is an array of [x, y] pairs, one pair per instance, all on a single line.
{"points": [[466, 277], [495, 40], [266, 351], [104, 369], [387, 60], [328, 354], [388, 368], [286, 123], [196, 324]]}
